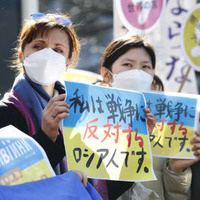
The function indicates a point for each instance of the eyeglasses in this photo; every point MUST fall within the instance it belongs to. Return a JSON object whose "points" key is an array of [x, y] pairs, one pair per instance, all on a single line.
{"points": [[60, 20]]}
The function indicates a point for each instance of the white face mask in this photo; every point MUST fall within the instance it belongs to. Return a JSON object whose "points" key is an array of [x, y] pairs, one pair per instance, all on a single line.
{"points": [[45, 67], [133, 80]]}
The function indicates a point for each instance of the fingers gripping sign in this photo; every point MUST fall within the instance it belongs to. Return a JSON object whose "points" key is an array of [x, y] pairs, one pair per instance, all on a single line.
{"points": [[196, 145], [56, 110], [151, 120]]}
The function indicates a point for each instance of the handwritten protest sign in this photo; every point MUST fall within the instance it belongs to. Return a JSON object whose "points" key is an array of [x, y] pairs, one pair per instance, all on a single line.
{"points": [[176, 118], [21, 158], [106, 134]]}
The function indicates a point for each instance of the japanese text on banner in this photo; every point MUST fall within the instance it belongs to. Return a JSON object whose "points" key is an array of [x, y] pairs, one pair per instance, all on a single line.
{"points": [[106, 133], [176, 117]]}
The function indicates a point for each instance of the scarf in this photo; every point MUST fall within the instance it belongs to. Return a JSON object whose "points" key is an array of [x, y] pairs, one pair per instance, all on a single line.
{"points": [[30, 99]]}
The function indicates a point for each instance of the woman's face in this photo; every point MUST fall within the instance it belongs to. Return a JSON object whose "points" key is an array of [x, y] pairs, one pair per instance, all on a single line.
{"points": [[136, 58], [56, 39]]}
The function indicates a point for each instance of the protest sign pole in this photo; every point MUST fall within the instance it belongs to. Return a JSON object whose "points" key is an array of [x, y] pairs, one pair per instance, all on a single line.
{"points": [[184, 80]]}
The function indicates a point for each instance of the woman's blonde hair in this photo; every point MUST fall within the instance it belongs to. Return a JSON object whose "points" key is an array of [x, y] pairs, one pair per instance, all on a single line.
{"points": [[32, 28]]}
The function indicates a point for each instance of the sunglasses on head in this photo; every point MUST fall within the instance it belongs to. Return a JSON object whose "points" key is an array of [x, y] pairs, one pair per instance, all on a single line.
{"points": [[60, 20]]}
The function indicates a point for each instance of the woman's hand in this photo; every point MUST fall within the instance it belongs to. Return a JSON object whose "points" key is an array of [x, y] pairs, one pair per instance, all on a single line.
{"points": [[56, 110], [82, 176], [151, 120], [178, 165]]}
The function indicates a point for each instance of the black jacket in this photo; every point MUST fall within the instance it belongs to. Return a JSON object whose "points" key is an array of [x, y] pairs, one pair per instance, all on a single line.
{"points": [[55, 150]]}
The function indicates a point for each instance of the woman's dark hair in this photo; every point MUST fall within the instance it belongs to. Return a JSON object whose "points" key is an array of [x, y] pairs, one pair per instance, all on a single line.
{"points": [[157, 84], [123, 44]]}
